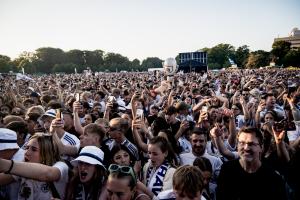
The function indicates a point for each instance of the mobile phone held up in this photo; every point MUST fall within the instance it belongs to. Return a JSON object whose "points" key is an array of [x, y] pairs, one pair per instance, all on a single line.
{"points": [[139, 114], [59, 114], [77, 96], [204, 109]]}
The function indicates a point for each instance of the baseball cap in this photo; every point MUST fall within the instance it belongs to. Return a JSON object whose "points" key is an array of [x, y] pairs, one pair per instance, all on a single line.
{"points": [[8, 139], [91, 155]]}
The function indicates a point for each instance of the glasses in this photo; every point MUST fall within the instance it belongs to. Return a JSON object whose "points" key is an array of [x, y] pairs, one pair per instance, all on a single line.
{"points": [[125, 170], [245, 94], [250, 144], [113, 129]]}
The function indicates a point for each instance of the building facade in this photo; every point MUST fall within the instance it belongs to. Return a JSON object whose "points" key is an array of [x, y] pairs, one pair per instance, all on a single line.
{"points": [[293, 38]]}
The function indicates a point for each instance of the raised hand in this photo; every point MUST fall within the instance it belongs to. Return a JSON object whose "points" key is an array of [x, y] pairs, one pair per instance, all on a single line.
{"points": [[278, 136]]}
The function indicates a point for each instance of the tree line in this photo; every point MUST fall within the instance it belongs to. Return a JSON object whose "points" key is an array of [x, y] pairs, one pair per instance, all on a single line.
{"points": [[53, 60]]}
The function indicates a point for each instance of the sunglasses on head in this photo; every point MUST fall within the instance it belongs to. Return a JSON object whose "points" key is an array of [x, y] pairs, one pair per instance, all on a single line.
{"points": [[125, 170]]}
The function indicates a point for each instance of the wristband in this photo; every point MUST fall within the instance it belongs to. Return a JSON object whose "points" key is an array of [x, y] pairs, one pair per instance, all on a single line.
{"points": [[10, 168]]}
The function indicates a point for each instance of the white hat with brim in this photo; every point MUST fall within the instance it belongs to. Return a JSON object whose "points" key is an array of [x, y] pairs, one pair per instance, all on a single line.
{"points": [[8, 139], [91, 155], [49, 113]]}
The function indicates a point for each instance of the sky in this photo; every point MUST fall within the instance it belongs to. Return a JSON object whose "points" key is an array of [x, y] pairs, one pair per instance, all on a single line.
{"points": [[143, 28]]}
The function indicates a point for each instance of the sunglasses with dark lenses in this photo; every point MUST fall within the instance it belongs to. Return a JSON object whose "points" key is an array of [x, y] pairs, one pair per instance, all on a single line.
{"points": [[113, 128], [125, 170]]}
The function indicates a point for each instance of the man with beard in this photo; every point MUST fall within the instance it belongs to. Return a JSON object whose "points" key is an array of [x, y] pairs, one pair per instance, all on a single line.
{"points": [[198, 140], [248, 177]]}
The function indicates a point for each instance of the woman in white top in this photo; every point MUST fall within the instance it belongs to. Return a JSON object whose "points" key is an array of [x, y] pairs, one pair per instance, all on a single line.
{"points": [[158, 171], [42, 175]]}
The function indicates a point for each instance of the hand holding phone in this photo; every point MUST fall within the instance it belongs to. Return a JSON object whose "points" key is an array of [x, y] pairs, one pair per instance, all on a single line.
{"points": [[59, 115]]}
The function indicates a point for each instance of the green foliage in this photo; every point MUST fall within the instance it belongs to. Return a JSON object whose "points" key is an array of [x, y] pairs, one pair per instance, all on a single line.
{"points": [[152, 62], [5, 64], [279, 50], [258, 59], [48, 57], [241, 56], [218, 56], [292, 58], [50, 60]]}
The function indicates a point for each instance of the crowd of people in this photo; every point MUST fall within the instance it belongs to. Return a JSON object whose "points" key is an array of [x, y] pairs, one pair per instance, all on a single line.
{"points": [[232, 134]]}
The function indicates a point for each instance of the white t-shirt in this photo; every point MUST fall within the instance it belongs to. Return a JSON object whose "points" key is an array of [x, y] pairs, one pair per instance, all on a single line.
{"points": [[70, 139], [210, 149], [185, 144], [188, 159], [14, 187], [33, 190], [170, 195], [293, 135]]}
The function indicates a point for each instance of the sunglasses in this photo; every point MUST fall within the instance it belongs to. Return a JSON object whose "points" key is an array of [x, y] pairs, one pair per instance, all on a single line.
{"points": [[125, 170], [113, 129]]}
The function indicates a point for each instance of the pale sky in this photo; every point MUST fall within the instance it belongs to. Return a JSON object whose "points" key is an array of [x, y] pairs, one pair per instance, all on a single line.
{"points": [[143, 28]]}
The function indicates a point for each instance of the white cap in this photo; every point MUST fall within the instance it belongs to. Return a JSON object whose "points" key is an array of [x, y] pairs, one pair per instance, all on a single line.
{"points": [[49, 113], [91, 155], [8, 139]]}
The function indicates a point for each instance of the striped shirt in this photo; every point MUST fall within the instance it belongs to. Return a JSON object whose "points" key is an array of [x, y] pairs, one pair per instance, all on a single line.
{"points": [[131, 147]]}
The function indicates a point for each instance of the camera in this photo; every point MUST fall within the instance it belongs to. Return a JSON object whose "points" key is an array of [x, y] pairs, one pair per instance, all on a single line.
{"points": [[280, 126]]}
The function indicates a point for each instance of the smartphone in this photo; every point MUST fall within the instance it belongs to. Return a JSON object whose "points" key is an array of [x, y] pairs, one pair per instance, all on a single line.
{"points": [[77, 97], [59, 115], [279, 126], [139, 114], [204, 108]]}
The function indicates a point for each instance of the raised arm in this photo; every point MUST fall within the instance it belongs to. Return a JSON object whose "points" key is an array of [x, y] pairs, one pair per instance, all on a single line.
{"points": [[77, 124], [34, 171], [282, 151], [295, 111], [244, 107], [216, 135], [137, 124]]}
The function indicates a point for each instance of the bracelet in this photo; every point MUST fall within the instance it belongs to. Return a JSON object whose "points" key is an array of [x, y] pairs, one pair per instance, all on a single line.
{"points": [[10, 168]]}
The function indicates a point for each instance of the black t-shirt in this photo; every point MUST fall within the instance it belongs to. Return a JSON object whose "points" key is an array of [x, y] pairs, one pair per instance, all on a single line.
{"points": [[175, 127], [235, 183]]}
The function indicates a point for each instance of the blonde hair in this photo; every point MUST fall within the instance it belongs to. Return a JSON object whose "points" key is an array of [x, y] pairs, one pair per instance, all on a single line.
{"points": [[36, 109], [49, 153]]}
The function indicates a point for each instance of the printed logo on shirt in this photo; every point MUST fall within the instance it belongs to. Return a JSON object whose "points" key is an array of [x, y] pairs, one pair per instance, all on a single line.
{"points": [[45, 188]]}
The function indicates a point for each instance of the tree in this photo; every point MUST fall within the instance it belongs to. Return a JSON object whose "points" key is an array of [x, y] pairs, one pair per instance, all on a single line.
{"points": [[292, 58], [151, 62], [48, 57], [28, 61], [5, 64], [241, 56], [115, 61], [74, 56], [279, 50], [218, 55], [136, 64], [257, 59]]}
